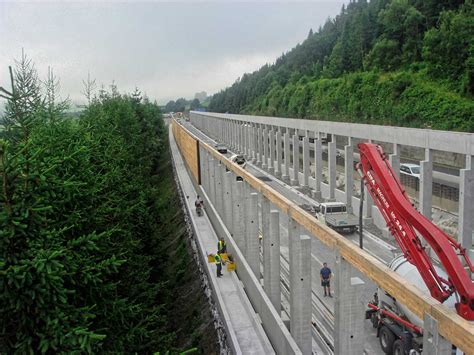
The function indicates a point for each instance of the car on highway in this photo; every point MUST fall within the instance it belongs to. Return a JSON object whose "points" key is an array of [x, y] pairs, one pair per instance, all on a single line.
{"points": [[410, 169], [221, 148], [238, 159]]}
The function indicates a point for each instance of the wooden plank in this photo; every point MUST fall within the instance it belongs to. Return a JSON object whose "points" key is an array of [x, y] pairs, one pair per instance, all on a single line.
{"points": [[451, 326]]}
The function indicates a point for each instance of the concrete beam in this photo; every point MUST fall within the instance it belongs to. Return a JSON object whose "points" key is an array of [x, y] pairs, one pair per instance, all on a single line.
{"points": [[348, 311], [271, 262], [300, 287]]}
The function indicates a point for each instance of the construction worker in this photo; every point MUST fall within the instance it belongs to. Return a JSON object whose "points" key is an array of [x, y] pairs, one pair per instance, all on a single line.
{"points": [[326, 275], [218, 262], [221, 246]]}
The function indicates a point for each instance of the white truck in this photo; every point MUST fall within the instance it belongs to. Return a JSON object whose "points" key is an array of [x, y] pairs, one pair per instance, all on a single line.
{"points": [[335, 215]]}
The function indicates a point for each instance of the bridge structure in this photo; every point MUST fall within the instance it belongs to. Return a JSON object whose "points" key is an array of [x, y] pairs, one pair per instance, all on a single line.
{"points": [[273, 264]]}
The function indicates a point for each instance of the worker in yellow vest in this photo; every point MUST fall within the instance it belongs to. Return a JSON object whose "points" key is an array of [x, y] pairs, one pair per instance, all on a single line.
{"points": [[221, 246], [218, 261]]}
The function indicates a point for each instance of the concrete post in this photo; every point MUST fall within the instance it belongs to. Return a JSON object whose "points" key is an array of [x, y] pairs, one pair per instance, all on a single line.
{"points": [[394, 159], [259, 146], [253, 247], [250, 141], [426, 184], [305, 161], [204, 170], [286, 144], [240, 138], [271, 137], [349, 172], [254, 143], [219, 172], [265, 213], [265, 149], [271, 261], [348, 310], [433, 342], [296, 159], [466, 204], [278, 153], [238, 224], [300, 287], [368, 203], [318, 166], [212, 180], [228, 202], [332, 169]]}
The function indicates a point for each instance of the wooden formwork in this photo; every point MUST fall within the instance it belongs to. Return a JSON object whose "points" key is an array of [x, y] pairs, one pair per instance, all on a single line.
{"points": [[189, 147], [451, 326]]}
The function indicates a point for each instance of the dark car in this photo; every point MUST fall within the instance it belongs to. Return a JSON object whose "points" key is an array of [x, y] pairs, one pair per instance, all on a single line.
{"points": [[221, 148]]}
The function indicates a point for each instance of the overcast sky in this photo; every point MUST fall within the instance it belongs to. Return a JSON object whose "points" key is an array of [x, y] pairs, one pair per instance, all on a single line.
{"points": [[166, 49]]}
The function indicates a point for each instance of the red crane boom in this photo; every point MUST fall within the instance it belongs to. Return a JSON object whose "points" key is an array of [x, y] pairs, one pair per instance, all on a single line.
{"points": [[404, 221]]}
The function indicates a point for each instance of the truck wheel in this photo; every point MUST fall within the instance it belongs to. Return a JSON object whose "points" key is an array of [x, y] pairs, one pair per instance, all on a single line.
{"points": [[387, 338], [398, 348]]}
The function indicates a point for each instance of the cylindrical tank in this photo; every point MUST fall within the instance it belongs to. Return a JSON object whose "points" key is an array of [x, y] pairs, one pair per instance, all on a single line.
{"points": [[410, 273]]}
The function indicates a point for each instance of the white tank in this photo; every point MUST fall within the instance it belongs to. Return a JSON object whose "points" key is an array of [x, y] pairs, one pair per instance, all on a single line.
{"points": [[410, 273]]}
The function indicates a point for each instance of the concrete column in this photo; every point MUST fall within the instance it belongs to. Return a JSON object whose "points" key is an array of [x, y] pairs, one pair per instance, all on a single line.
{"points": [[219, 187], [305, 161], [228, 201], [249, 141], [253, 247], [348, 310], [265, 149], [265, 213], [433, 342], [204, 171], [426, 184], [300, 287], [254, 143], [332, 169], [318, 166], [238, 224], [286, 144], [240, 137], [466, 204], [349, 171], [278, 153], [212, 180], [259, 146], [271, 261], [394, 159], [296, 159], [368, 203], [271, 137]]}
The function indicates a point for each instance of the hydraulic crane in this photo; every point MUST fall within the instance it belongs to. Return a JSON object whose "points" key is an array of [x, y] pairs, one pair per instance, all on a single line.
{"points": [[407, 225]]}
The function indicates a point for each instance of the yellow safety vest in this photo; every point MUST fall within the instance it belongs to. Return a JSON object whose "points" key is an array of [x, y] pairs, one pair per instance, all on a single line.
{"points": [[217, 258]]}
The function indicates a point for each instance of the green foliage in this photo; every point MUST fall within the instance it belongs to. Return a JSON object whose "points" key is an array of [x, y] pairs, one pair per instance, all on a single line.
{"points": [[403, 54], [84, 212]]}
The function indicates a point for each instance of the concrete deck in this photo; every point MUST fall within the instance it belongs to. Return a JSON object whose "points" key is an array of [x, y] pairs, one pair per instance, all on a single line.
{"points": [[244, 331]]}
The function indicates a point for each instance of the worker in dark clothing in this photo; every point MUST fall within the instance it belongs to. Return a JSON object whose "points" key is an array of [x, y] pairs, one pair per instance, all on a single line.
{"points": [[326, 275], [221, 246], [218, 261]]}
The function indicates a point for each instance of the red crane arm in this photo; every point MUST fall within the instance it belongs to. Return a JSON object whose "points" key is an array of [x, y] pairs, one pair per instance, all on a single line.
{"points": [[403, 221]]}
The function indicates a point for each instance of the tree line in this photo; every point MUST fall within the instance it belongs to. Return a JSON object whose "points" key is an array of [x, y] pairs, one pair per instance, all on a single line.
{"points": [[397, 62], [93, 253]]}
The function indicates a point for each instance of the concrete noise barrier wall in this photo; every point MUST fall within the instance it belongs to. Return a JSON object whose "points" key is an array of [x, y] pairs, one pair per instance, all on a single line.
{"points": [[451, 326]]}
